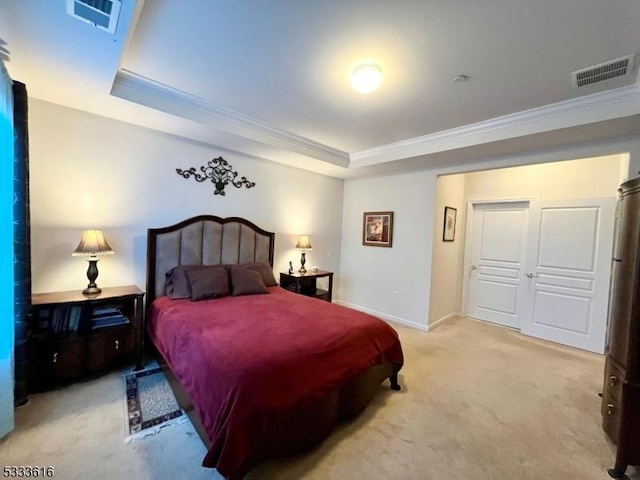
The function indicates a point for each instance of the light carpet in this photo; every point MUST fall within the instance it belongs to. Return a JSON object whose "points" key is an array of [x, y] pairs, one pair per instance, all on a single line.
{"points": [[477, 402]]}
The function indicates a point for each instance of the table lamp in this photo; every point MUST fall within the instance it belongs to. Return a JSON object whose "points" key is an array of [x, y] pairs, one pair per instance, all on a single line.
{"points": [[303, 244], [92, 244]]}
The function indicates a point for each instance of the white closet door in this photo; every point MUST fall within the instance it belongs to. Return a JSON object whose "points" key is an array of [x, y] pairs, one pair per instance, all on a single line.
{"points": [[568, 271], [498, 252]]}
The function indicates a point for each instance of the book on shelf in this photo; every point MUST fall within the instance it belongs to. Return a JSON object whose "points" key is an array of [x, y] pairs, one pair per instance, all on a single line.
{"points": [[56, 319], [107, 316], [78, 318], [106, 311], [61, 319], [75, 317], [108, 321]]}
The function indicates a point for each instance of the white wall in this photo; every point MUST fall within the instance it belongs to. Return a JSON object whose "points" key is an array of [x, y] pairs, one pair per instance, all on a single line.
{"points": [[446, 267], [90, 171], [369, 276], [407, 266]]}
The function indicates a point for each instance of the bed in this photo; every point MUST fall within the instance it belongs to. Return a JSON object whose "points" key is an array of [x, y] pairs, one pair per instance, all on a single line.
{"points": [[262, 373]]}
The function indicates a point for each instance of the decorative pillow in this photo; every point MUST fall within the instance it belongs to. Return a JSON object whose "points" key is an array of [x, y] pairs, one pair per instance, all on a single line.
{"points": [[246, 282], [265, 271], [206, 283], [176, 282]]}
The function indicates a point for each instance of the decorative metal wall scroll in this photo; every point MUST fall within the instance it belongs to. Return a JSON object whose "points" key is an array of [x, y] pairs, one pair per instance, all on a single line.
{"points": [[220, 172]]}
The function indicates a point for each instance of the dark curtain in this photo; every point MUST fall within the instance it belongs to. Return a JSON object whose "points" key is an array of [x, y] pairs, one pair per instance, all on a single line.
{"points": [[21, 241]]}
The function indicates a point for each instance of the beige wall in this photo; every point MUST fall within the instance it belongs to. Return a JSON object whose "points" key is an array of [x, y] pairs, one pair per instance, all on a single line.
{"points": [[586, 178], [446, 265], [407, 267], [90, 171]]}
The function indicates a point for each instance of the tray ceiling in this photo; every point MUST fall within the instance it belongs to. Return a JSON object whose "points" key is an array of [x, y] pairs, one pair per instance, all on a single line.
{"points": [[271, 79]]}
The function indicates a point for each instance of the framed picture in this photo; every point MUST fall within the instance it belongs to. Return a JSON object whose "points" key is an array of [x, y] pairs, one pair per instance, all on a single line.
{"points": [[449, 227], [377, 229]]}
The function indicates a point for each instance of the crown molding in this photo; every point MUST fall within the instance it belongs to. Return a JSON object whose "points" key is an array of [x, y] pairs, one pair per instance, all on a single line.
{"points": [[611, 104], [146, 91], [620, 102]]}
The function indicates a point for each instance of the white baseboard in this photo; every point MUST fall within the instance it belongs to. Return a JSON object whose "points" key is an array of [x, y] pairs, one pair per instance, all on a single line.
{"points": [[384, 316], [442, 320]]}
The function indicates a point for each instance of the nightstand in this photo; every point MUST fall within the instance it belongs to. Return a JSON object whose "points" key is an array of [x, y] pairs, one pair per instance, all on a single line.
{"points": [[305, 283], [72, 335]]}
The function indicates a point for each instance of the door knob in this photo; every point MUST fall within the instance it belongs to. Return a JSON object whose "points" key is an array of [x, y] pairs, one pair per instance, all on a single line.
{"points": [[473, 267], [530, 275]]}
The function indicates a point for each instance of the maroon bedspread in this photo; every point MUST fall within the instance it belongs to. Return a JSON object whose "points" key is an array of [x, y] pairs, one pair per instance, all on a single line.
{"points": [[248, 361]]}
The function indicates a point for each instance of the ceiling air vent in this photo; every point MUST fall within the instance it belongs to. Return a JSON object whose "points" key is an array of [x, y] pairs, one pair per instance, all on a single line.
{"points": [[605, 71], [102, 14]]}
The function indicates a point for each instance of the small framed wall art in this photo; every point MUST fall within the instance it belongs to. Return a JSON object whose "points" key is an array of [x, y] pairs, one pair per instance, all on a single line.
{"points": [[449, 227], [377, 229]]}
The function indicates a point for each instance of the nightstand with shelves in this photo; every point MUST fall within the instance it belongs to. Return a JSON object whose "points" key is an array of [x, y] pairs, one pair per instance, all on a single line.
{"points": [[306, 283], [73, 335]]}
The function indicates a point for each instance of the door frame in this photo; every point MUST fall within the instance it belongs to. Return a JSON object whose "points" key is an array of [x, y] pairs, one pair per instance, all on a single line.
{"points": [[466, 262]]}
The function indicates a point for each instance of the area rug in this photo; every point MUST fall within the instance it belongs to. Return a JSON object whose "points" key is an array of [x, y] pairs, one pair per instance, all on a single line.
{"points": [[149, 404]]}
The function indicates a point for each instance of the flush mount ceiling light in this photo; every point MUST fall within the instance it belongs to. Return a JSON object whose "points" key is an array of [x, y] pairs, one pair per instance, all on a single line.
{"points": [[366, 78]]}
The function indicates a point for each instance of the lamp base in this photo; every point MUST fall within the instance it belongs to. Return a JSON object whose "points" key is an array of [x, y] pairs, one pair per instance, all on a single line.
{"points": [[303, 260], [92, 274]]}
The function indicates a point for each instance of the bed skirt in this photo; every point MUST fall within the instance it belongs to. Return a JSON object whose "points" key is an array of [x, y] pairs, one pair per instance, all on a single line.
{"points": [[304, 428]]}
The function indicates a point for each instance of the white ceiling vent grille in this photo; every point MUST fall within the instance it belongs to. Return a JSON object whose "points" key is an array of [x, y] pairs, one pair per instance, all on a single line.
{"points": [[619, 67], [102, 14]]}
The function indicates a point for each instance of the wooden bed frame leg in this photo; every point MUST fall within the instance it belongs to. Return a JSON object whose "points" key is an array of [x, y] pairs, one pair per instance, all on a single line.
{"points": [[394, 381], [618, 472]]}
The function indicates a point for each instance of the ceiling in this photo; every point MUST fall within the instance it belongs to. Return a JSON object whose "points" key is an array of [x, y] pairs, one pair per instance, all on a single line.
{"points": [[270, 79]]}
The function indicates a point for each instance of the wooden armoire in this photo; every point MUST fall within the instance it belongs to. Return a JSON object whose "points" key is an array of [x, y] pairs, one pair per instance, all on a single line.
{"points": [[621, 392]]}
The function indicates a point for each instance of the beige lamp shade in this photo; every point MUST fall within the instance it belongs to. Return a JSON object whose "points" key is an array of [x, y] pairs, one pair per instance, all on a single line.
{"points": [[92, 244], [303, 242]]}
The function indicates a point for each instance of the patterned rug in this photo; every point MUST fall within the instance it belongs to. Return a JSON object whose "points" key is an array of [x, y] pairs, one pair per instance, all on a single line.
{"points": [[149, 403]]}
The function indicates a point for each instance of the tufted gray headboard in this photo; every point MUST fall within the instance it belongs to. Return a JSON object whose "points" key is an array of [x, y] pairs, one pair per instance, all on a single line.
{"points": [[203, 240]]}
